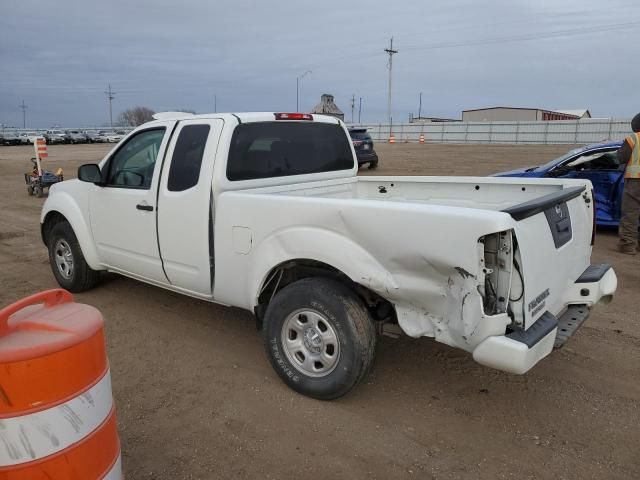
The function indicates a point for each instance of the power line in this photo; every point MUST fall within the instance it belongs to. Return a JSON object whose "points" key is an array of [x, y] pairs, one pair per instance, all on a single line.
{"points": [[110, 96], [538, 36], [390, 51], [23, 107], [533, 36]]}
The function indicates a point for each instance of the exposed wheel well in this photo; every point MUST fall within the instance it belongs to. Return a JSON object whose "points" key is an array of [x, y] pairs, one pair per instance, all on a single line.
{"points": [[52, 218], [290, 271]]}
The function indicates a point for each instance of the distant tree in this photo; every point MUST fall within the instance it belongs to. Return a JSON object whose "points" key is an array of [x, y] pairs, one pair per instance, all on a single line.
{"points": [[132, 117]]}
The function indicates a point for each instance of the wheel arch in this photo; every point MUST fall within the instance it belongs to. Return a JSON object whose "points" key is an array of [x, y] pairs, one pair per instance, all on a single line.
{"points": [[72, 215], [294, 269]]}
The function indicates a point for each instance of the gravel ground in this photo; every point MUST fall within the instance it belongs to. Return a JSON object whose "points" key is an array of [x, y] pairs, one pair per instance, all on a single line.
{"points": [[197, 398]]}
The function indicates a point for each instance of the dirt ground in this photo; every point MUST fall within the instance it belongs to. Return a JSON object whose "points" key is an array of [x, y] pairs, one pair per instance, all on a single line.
{"points": [[197, 398]]}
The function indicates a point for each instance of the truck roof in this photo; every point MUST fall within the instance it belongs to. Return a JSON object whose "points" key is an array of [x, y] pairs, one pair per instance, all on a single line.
{"points": [[242, 117]]}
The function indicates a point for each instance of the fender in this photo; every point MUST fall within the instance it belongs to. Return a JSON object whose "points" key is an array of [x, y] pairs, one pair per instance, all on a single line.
{"points": [[321, 245], [65, 204]]}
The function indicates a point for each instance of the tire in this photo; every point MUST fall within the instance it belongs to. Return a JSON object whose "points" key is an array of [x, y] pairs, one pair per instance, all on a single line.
{"points": [[336, 336], [373, 165], [71, 271], [30, 190], [38, 191]]}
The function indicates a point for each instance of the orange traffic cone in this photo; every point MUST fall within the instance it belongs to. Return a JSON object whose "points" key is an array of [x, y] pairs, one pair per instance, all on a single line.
{"points": [[422, 138], [392, 138]]}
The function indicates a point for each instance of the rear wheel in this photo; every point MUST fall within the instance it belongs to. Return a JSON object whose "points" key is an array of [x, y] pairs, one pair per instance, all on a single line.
{"points": [[67, 261], [319, 337], [373, 165]]}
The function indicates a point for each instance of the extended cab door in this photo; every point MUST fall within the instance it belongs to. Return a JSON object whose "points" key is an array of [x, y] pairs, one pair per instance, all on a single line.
{"points": [[185, 206], [123, 211]]}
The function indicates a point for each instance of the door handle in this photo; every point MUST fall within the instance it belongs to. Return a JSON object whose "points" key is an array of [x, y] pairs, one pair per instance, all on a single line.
{"points": [[144, 206]]}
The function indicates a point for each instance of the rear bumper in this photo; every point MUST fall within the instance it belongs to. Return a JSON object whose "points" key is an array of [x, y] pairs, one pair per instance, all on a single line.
{"points": [[367, 157], [519, 351]]}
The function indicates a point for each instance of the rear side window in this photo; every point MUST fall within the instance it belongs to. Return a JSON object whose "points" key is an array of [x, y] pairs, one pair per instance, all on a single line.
{"points": [[276, 149], [359, 135], [187, 158]]}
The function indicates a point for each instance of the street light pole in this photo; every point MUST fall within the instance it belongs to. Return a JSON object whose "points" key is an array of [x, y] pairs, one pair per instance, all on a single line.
{"points": [[298, 80], [23, 107], [420, 107]]}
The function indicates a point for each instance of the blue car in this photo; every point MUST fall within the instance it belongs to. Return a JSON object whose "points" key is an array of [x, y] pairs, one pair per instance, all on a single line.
{"points": [[597, 163]]}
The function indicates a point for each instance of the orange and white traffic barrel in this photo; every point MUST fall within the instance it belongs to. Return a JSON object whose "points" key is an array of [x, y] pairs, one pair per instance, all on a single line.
{"points": [[422, 138], [392, 138], [57, 417]]}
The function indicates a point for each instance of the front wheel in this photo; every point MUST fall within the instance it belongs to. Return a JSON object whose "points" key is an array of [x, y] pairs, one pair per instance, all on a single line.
{"points": [[67, 261], [319, 337]]}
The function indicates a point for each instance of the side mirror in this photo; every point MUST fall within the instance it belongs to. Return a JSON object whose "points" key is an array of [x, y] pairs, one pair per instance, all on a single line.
{"points": [[90, 172]]}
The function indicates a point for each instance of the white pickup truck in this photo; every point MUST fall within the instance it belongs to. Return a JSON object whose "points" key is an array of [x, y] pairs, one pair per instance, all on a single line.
{"points": [[264, 211]]}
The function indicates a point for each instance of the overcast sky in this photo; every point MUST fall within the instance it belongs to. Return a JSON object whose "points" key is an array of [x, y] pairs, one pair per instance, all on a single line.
{"points": [[59, 56]]}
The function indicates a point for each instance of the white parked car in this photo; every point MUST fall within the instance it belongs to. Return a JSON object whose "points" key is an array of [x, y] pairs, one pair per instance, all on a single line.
{"points": [[265, 212], [27, 138], [114, 137]]}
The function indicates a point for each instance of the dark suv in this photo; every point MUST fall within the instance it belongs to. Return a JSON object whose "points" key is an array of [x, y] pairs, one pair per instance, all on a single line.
{"points": [[363, 146]]}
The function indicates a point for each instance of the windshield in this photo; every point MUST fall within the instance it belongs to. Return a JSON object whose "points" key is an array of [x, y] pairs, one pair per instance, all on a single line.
{"points": [[276, 149]]}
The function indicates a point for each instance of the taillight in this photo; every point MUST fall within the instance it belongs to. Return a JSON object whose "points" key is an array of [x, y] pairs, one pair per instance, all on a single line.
{"points": [[293, 116], [357, 143], [593, 227]]}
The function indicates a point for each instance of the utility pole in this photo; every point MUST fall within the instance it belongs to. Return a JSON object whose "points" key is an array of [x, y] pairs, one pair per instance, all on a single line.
{"points": [[353, 106], [215, 104], [390, 51], [23, 107], [360, 110], [420, 107], [110, 96], [298, 80]]}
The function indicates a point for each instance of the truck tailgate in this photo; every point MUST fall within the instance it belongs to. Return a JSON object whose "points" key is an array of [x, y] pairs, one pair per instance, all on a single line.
{"points": [[554, 238]]}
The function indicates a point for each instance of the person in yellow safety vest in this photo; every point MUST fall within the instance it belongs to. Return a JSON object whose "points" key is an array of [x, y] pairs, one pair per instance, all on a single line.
{"points": [[629, 155]]}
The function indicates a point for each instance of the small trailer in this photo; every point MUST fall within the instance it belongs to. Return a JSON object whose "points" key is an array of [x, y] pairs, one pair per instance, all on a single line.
{"points": [[38, 179]]}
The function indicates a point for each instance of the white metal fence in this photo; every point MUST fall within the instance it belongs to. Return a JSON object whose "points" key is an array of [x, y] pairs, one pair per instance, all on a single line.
{"points": [[554, 132], [559, 131]]}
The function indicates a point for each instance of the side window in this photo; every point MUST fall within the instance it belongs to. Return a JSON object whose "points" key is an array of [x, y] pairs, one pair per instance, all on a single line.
{"points": [[133, 164], [187, 157], [596, 161]]}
